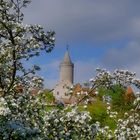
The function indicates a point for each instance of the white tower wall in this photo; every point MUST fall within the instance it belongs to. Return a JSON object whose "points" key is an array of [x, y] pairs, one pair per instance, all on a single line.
{"points": [[66, 72], [61, 91]]}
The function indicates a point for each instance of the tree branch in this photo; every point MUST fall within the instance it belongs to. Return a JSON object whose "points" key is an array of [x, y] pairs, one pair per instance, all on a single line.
{"points": [[13, 57]]}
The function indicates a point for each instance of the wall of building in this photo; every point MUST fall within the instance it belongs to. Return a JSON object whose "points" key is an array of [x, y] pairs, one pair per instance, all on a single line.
{"points": [[66, 73], [62, 90]]}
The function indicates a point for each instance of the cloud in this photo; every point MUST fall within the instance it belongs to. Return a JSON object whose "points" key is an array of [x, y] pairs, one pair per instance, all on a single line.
{"points": [[83, 71], [50, 83], [90, 22], [86, 21], [122, 57], [136, 28], [50, 73]]}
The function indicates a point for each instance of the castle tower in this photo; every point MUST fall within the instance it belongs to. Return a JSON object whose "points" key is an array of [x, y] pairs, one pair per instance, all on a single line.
{"points": [[61, 90], [66, 69]]}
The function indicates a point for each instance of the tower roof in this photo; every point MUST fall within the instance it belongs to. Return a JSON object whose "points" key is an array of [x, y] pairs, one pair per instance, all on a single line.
{"points": [[67, 59]]}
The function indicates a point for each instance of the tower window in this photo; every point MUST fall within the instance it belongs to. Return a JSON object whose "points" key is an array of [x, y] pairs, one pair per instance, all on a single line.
{"points": [[66, 94], [57, 93]]}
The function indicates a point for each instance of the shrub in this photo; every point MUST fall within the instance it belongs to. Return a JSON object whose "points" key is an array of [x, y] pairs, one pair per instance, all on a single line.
{"points": [[97, 111]]}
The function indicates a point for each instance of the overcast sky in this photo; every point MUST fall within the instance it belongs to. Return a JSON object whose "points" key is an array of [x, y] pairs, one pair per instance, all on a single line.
{"points": [[100, 33]]}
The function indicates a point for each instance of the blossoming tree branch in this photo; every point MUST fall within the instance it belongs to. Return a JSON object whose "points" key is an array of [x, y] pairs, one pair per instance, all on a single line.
{"points": [[24, 116], [19, 43]]}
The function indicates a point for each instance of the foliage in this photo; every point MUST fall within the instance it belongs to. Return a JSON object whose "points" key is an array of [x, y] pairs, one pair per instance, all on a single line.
{"points": [[47, 96], [99, 114], [74, 125], [18, 43], [21, 114], [117, 98], [127, 128], [24, 116], [20, 118], [98, 111]]}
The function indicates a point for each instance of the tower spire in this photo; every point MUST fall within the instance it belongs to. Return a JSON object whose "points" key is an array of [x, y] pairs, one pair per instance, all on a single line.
{"points": [[66, 67], [67, 59], [67, 47]]}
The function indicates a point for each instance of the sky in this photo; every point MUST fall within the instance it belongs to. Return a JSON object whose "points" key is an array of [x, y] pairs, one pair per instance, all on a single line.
{"points": [[100, 33]]}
